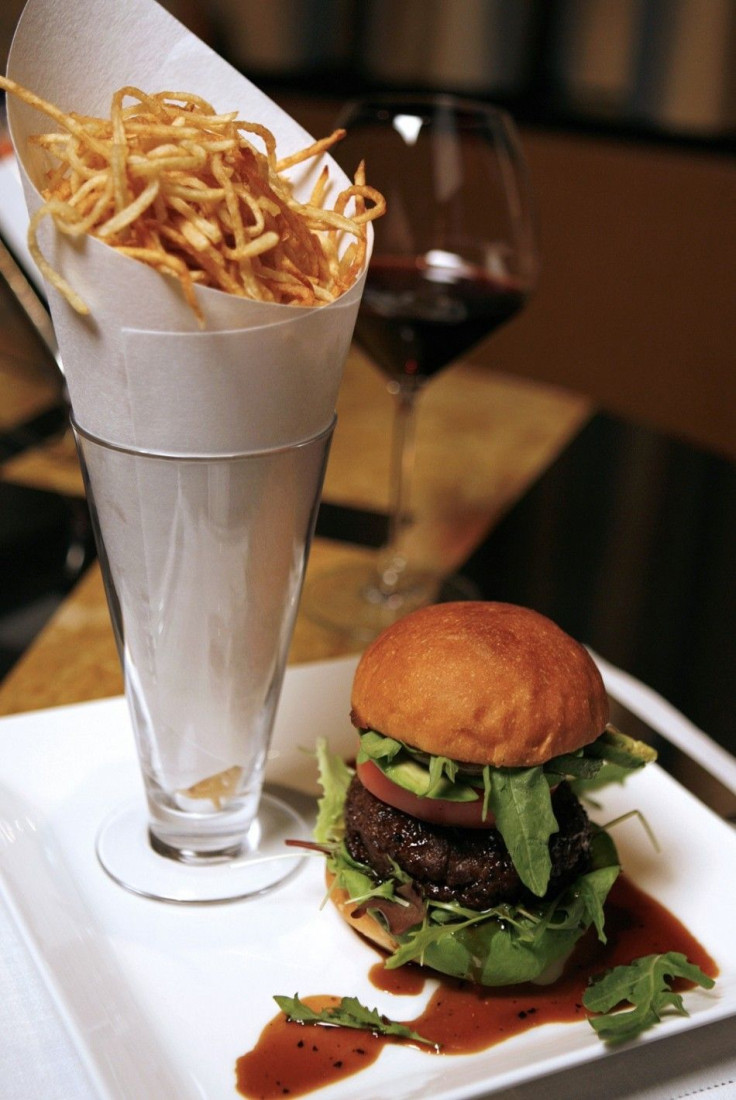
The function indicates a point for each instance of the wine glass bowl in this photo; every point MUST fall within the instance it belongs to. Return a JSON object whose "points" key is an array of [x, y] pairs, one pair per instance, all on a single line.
{"points": [[419, 315], [454, 257]]}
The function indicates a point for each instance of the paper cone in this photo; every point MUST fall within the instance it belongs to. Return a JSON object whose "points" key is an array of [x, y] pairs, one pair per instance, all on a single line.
{"points": [[139, 372]]}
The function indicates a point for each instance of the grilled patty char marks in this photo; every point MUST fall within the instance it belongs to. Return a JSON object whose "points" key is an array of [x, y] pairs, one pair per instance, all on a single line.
{"points": [[470, 866]]}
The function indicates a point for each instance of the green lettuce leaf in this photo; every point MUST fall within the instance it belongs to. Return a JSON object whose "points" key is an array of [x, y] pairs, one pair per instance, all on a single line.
{"points": [[645, 985], [334, 778], [376, 746]]}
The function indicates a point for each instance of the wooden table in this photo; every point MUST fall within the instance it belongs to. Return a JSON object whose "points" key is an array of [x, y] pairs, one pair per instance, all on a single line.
{"points": [[482, 438]]}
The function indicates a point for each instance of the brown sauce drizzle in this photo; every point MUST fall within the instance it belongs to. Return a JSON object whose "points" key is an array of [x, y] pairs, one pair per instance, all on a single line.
{"points": [[292, 1059], [405, 981]]}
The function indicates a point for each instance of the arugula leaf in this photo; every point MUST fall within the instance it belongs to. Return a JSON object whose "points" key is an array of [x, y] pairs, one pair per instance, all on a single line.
{"points": [[504, 945], [522, 804], [508, 944], [644, 985], [349, 1012], [573, 765]]}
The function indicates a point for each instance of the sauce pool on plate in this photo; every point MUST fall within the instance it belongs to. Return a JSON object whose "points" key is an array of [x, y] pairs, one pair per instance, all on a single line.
{"points": [[291, 1059]]}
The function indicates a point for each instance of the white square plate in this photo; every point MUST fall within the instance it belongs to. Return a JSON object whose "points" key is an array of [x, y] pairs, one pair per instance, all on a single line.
{"points": [[160, 1000]]}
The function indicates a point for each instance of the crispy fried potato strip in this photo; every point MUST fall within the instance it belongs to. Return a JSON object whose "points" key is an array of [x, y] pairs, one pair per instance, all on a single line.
{"points": [[200, 196]]}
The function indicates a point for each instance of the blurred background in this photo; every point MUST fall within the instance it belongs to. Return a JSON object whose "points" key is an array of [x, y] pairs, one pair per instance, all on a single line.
{"points": [[661, 67], [629, 113]]}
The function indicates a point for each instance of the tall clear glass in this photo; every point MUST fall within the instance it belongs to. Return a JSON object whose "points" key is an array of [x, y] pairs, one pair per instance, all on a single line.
{"points": [[203, 560]]}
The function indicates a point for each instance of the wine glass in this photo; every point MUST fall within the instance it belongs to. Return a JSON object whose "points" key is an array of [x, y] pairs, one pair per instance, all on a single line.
{"points": [[454, 258]]}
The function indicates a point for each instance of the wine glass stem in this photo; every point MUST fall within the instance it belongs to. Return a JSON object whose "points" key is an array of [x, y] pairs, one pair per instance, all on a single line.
{"points": [[393, 560]]}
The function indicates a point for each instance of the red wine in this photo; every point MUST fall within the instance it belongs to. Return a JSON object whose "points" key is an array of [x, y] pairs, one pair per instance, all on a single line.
{"points": [[416, 318]]}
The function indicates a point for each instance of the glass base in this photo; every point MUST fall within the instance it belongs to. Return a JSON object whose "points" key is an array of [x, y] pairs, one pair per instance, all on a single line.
{"points": [[351, 601], [126, 851]]}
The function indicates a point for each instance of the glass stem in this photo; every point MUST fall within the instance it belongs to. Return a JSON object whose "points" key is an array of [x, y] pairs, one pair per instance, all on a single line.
{"points": [[393, 560]]}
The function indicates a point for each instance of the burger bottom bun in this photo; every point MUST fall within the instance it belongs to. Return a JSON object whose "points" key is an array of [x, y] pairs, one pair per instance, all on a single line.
{"points": [[365, 924]]}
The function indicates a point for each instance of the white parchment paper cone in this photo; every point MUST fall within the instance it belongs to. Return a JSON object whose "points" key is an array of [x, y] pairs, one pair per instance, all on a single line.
{"points": [[298, 359], [76, 53]]}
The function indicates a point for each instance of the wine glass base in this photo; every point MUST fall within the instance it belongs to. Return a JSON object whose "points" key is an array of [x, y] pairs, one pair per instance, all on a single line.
{"points": [[351, 601], [126, 853]]}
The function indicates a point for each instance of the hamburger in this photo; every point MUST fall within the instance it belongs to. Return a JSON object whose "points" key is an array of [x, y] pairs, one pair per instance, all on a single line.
{"points": [[458, 840]]}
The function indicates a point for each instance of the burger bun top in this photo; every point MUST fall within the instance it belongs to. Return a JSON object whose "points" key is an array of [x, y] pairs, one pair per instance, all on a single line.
{"points": [[482, 683]]}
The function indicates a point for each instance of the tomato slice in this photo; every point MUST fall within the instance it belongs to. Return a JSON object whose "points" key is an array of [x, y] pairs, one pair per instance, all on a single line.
{"points": [[438, 811]]}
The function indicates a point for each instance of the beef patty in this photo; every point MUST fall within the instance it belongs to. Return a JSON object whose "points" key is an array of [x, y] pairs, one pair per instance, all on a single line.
{"points": [[470, 866]]}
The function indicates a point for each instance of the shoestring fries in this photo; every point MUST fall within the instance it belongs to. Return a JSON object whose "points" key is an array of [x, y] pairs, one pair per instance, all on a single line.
{"points": [[200, 196]]}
